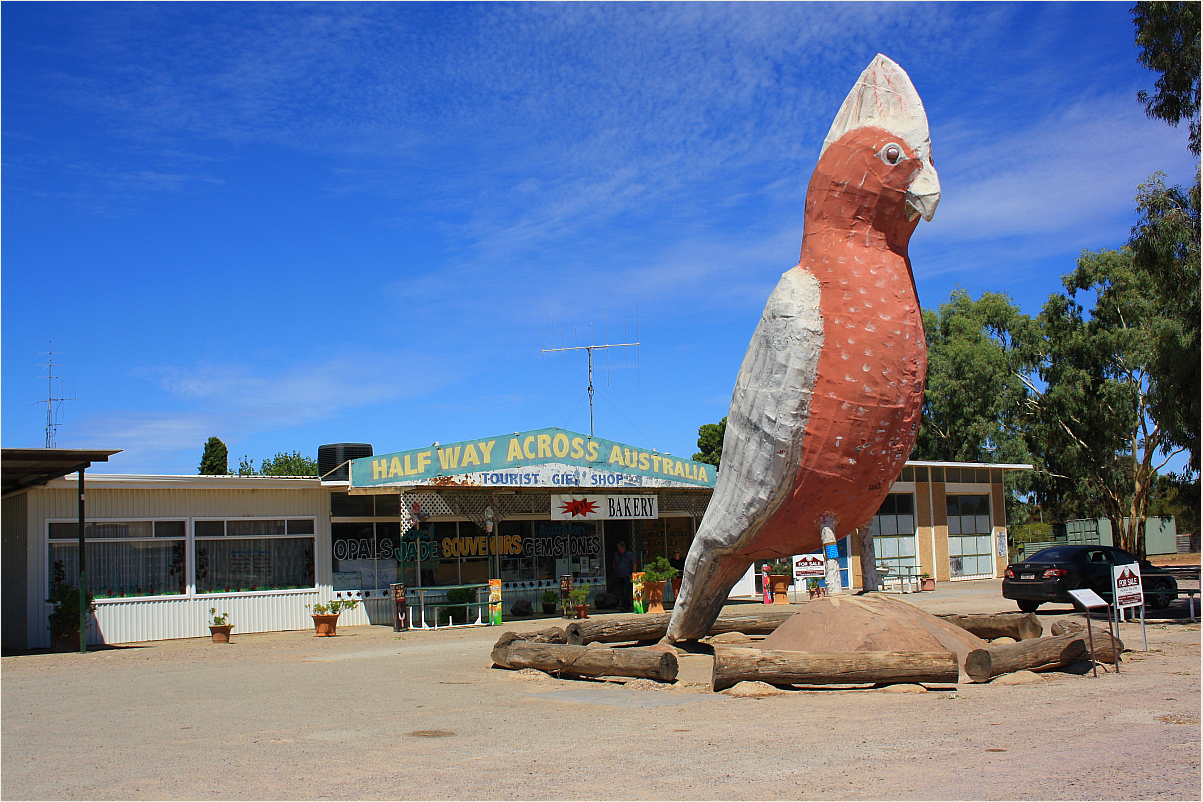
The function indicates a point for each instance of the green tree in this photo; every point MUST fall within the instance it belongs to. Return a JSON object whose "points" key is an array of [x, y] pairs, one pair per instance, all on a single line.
{"points": [[1099, 445], [214, 459], [286, 464], [974, 393], [974, 396], [710, 441], [1168, 37]]}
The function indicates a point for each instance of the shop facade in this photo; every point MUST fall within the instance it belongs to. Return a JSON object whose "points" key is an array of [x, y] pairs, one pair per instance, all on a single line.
{"points": [[528, 508]]}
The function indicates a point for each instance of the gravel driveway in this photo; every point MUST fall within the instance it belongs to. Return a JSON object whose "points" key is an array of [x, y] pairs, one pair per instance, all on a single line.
{"points": [[375, 714]]}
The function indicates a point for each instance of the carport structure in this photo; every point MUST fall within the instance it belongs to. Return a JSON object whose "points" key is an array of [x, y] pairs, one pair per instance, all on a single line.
{"points": [[20, 470]]}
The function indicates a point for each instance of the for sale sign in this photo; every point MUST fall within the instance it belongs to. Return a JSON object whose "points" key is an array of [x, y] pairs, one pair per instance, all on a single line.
{"points": [[1125, 583], [809, 566]]}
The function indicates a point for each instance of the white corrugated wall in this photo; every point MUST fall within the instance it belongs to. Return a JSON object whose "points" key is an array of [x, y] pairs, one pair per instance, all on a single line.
{"points": [[132, 620]]}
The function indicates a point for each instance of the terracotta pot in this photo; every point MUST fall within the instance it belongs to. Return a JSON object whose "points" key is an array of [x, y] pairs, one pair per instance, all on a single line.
{"points": [[929, 583], [221, 634], [582, 610], [325, 626], [780, 588], [653, 595]]}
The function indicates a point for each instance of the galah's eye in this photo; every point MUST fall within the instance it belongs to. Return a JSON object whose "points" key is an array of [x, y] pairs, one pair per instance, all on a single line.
{"points": [[891, 154]]}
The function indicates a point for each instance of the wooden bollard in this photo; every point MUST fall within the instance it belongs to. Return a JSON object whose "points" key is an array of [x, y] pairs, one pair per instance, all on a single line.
{"points": [[587, 662], [831, 668], [1020, 626], [1027, 655], [654, 627]]}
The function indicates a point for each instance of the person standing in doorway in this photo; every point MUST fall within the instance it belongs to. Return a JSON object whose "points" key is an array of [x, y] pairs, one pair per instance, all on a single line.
{"points": [[678, 562], [624, 566]]}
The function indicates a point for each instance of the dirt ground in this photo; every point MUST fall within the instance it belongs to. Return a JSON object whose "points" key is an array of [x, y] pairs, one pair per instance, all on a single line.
{"points": [[375, 714]]}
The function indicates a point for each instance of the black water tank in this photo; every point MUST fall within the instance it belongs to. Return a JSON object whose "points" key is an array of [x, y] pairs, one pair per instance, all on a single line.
{"points": [[331, 459]]}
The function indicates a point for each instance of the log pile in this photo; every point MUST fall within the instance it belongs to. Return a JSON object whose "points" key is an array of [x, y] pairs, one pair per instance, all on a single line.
{"points": [[1103, 652], [982, 665]]}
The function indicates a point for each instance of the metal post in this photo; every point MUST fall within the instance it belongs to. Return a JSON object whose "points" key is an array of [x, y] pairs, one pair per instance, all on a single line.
{"points": [[1090, 635], [83, 585]]}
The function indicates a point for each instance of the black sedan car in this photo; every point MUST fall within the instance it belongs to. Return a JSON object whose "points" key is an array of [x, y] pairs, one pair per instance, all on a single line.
{"points": [[1050, 574]]}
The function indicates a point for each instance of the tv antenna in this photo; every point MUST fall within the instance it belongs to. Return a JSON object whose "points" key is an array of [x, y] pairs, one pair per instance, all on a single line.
{"points": [[589, 349], [52, 403]]}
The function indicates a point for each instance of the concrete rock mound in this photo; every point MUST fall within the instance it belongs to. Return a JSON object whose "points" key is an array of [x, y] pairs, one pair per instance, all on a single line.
{"points": [[870, 623]]}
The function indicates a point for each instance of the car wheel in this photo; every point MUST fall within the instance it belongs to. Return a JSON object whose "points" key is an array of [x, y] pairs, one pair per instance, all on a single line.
{"points": [[1027, 605], [1160, 595]]}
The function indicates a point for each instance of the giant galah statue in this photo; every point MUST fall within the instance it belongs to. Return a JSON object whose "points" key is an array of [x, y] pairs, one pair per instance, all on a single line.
{"points": [[829, 395]]}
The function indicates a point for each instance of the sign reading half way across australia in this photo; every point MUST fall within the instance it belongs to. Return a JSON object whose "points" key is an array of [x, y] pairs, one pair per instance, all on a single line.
{"points": [[538, 458]]}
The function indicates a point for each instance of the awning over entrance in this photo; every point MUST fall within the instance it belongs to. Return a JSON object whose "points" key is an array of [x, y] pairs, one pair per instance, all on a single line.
{"points": [[23, 468]]}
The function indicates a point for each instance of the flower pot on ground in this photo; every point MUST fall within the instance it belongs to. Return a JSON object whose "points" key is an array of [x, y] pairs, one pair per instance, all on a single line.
{"points": [[814, 589], [578, 599], [63, 622], [325, 616], [655, 574], [220, 626], [780, 578], [927, 582], [550, 601]]}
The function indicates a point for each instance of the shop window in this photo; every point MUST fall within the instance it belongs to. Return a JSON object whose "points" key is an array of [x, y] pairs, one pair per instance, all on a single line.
{"points": [[893, 530], [345, 505], [254, 554], [970, 542], [125, 558]]}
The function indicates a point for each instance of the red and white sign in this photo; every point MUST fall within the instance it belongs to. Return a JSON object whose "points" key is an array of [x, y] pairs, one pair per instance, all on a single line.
{"points": [[809, 566], [1125, 584]]}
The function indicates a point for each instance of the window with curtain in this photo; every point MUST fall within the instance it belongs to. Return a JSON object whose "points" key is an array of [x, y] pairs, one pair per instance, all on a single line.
{"points": [[125, 558], [239, 555], [970, 542]]}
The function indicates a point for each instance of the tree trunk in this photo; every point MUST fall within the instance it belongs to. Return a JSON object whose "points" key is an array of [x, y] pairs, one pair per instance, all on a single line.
{"points": [[984, 664], [654, 627], [587, 662], [831, 668], [1103, 653], [1020, 626]]}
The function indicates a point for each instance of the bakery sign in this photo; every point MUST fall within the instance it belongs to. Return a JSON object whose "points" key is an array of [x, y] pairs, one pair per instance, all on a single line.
{"points": [[1125, 582], [582, 507]]}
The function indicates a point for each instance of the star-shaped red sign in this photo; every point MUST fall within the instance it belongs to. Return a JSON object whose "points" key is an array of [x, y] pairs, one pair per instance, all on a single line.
{"points": [[581, 507]]}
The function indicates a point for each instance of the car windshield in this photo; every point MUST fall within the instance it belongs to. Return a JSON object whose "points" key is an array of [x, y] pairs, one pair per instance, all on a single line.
{"points": [[1057, 554]]}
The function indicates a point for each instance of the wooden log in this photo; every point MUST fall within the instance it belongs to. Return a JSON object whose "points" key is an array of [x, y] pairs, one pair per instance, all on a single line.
{"points": [[1027, 655], [1020, 626], [587, 662], [1103, 653], [549, 635], [653, 627], [831, 668]]}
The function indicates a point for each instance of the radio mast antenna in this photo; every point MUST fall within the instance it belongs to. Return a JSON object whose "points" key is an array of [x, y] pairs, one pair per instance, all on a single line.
{"points": [[52, 403], [589, 349]]}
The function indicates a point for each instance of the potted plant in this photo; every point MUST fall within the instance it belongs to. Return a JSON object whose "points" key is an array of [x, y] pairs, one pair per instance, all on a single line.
{"points": [[927, 582], [64, 618], [814, 589], [550, 601], [781, 577], [325, 616], [577, 597], [220, 626], [655, 575]]}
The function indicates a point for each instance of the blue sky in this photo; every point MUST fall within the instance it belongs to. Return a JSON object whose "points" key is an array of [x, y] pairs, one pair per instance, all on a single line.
{"points": [[287, 225]]}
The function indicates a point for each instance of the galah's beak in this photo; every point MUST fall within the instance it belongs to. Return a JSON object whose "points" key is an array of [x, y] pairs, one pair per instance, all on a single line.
{"points": [[923, 195]]}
